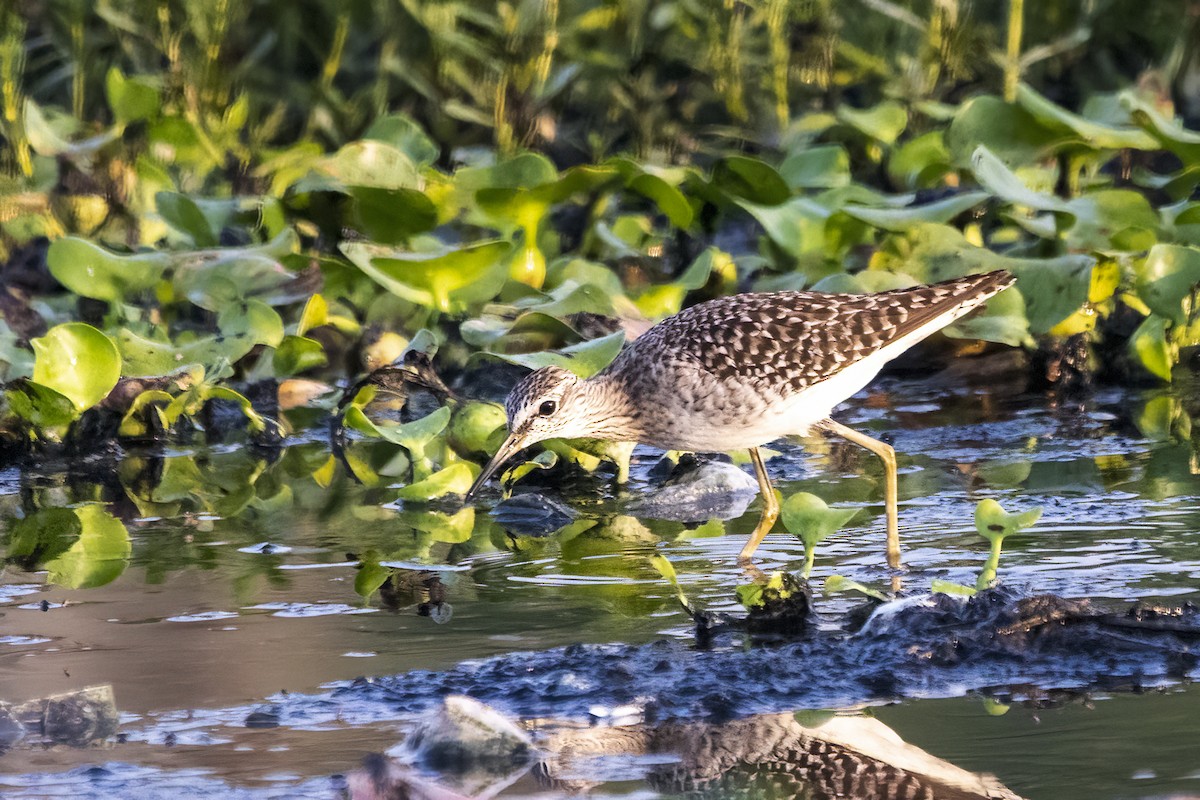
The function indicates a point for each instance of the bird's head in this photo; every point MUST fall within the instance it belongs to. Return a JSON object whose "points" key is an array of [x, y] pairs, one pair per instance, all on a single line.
{"points": [[550, 403]]}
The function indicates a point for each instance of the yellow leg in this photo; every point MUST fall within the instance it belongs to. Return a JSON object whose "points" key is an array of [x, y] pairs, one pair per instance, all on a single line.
{"points": [[885, 452], [770, 511]]}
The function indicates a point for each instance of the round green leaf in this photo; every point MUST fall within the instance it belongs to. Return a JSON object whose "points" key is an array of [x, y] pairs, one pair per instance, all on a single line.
{"points": [[98, 556], [91, 271], [78, 361]]}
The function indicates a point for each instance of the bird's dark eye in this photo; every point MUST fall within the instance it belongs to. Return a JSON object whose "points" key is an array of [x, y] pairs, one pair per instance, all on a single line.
{"points": [[547, 408]]}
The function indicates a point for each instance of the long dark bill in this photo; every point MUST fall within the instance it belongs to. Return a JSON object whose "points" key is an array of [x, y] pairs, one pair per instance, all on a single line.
{"points": [[512, 445]]}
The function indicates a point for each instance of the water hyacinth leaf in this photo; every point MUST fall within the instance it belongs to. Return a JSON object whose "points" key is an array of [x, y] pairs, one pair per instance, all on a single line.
{"points": [[412, 436], [899, 219], [403, 133], [297, 354], [884, 122], [523, 171], [919, 163], [393, 216], [218, 278], [1168, 277], [92, 271], [750, 179], [51, 137], [184, 215], [821, 167], [940, 586], [1119, 219], [447, 280], [241, 327], [476, 428], [1094, 134], [810, 519], [758, 594], [840, 583], [547, 459], [670, 201], [1053, 288], [1150, 346], [1179, 140], [98, 556], [797, 226], [661, 301], [373, 163], [77, 361], [42, 407], [1006, 130], [1003, 320], [665, 568], [131, 98], [997, 178], [993, 522], [454, 479], [584, 359], [151, 401]]}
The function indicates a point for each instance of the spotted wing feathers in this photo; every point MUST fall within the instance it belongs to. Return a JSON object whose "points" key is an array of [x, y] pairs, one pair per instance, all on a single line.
{"points": [[792, 340]]}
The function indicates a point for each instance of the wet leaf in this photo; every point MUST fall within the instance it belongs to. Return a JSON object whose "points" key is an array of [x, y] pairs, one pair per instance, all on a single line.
{"points": [[476, 428], [839, 583], [454, 479], [77, 361], [371, 575], [808, 518], [939, 586], [993, 522], [1169, 276], [1150, 346], [547, 459]]}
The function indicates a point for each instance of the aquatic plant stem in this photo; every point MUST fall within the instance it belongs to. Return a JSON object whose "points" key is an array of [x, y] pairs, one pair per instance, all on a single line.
{"points": [[1012, 62], [988, 574]]}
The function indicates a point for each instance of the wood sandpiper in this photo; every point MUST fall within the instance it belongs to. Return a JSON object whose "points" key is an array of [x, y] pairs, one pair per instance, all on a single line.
{"points": [[738, 372]]}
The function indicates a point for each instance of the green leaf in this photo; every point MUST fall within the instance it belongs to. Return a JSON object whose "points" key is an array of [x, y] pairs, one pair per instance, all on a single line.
{"points": [[297, 354], [939, 586], [1004, 320], [371, 575], [476, 428], [993, 522], [131, 99], [670, 201], [839, 583], [750, 179], [412, 436], [820, 167], [98, 556], [447, 280], [899, 219], [1168, 277], [1149, 344], [1094, 134], [584, 359], [374, 164], [921, 162], [185, 215], [1008, 131], [92, 271], [884, 122], [797, 226], [547, 459], [403, 133], [78, 361], [1053, 288], [454, 479], [393, 216], [42, 407], [998, 179], [808, 518]]}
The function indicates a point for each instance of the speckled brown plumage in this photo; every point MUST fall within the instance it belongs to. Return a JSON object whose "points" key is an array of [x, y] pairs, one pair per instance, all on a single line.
{"points": [[791, 340]]}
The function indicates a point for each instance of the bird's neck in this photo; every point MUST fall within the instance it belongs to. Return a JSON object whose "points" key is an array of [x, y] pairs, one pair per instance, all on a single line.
{"points": [[612, 415]]}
